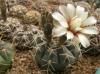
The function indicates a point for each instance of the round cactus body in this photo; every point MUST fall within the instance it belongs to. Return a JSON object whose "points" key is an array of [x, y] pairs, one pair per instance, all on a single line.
{"points": [[56, 59], [32, 16], [23, 40], [29, 37], [18, 11], [8, 28], [7, 52]]}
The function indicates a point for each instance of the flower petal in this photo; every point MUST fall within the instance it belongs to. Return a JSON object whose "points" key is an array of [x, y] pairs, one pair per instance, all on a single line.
{"points": [[90, 30], [89, 21], [84, 16], [79, 10], [63, 10], [64, 24], [70, 10], [84, 40], [57, 16], [58, 31], [69, 35]]}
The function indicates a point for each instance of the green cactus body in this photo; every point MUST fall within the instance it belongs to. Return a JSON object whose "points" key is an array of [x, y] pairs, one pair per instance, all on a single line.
{"points": [[6, 56], [56, 59]]}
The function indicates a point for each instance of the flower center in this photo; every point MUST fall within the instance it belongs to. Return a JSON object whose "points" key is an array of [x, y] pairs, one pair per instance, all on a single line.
{"points": [[74, 25]]}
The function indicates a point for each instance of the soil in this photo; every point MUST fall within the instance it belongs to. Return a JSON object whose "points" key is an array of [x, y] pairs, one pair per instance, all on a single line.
{"points": [[23, 64], [86, 65]]}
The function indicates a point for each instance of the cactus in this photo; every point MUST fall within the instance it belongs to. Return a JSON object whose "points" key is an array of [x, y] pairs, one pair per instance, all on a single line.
{"points": [[55, 55], [32, 17], [56, 58], [41, 6], [18, 11], [28, 38], [6, 56], [23, 39], [8, 28]]}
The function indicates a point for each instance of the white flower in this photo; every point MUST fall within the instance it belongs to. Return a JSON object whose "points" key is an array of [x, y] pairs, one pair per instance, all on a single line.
{"points": [[74, 22]]}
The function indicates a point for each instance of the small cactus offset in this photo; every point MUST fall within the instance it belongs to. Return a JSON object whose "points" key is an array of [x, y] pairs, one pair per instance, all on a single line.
{"points": [[18, 11], [32, 17], [7, 52]]}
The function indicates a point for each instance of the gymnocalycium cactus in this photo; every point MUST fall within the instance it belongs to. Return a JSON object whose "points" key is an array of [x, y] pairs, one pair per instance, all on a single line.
{"points": [[9, 27], [63, 35], [7, 52], [28, 37], [55, 55]]}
